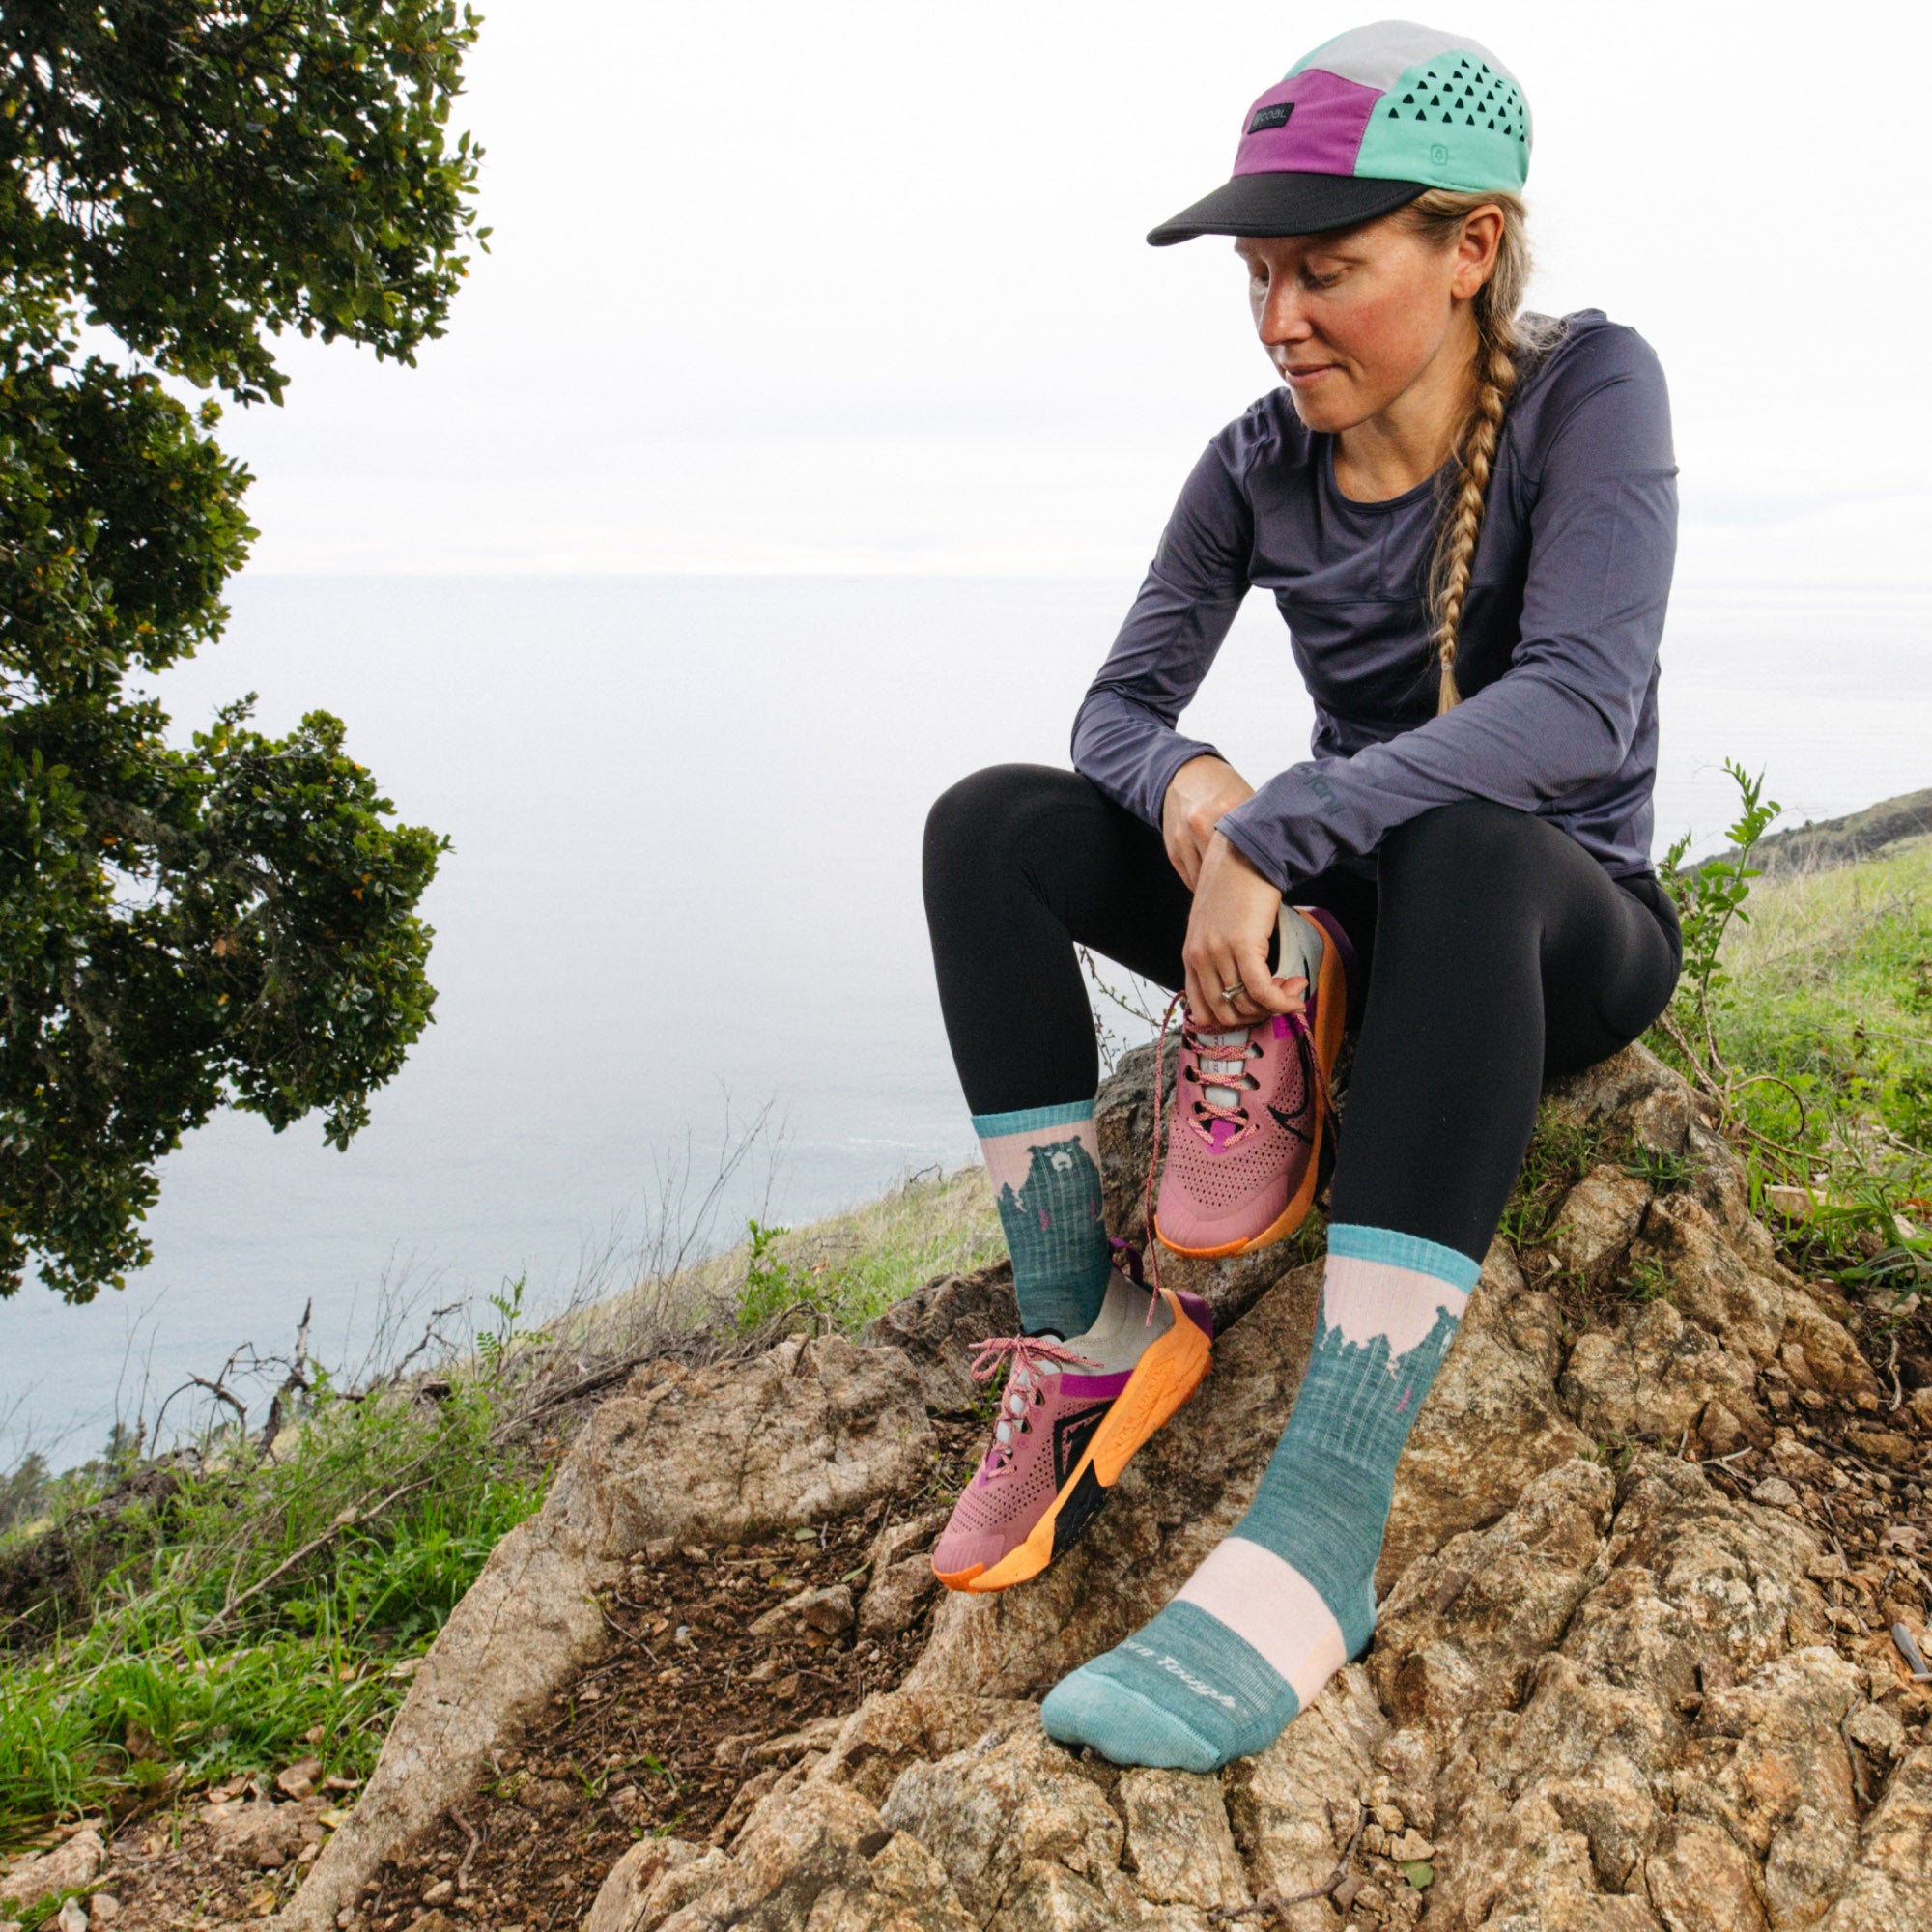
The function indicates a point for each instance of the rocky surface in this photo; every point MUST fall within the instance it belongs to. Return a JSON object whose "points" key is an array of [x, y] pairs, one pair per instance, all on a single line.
{"points": [[811, 1430], [729, 1669], [224, 1855], [64, 1868], [1632, 1668]]}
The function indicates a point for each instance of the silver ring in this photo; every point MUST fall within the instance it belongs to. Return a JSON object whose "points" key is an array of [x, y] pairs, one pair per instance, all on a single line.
{"points": [[1235, 992]]}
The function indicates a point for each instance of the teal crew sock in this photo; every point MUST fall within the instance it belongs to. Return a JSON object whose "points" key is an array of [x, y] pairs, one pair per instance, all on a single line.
{"points": [[1044, 1164], [1288, 1596]]}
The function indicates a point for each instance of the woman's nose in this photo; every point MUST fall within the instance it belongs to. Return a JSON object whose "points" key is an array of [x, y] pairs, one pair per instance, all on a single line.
{"points": [[1283, 318]]}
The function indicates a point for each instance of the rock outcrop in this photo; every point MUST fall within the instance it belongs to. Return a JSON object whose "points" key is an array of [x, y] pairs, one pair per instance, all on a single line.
{"points": [[1609, 1689], [938, 1327]]}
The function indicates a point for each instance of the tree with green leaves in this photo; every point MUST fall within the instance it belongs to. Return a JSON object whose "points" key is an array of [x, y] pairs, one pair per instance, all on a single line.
{"points": [[232, 920]]}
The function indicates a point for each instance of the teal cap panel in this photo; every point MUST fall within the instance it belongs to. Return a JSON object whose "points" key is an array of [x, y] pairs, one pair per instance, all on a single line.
{"points": [[1454, 122]]}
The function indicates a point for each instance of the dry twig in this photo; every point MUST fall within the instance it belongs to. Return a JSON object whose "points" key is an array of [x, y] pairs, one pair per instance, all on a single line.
{"points": [[1273, 1901], [475, 1838]]}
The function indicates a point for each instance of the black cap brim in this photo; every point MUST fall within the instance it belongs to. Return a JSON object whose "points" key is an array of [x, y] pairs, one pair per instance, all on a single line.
{"points": [[1286, 204]]}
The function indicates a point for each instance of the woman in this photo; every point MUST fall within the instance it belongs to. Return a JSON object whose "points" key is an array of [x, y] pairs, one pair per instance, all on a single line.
{"points": [[1468, 524]]}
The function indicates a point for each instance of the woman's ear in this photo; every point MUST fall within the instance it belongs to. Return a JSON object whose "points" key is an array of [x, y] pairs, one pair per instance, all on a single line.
{"points": [[1476, 250]]}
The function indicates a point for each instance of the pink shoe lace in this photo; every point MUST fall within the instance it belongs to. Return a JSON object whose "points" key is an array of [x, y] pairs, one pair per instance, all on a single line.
{"points": [[1196, 1039], [1026, 1356]]}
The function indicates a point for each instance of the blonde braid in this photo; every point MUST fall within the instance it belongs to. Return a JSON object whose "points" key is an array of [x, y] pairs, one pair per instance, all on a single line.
{"points": [[1501, 343], [1456, 546]]}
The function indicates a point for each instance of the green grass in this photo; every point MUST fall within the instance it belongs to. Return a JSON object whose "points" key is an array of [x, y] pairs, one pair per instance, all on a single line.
{"points": [[239, 1623], [1557, 1158], [1822, 1020], [1831, 991], [852, 1266], [1559, 1154]]}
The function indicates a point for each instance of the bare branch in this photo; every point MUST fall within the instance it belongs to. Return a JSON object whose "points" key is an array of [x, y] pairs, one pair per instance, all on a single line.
{"points": [[1273, 1901], [295, 1383]]}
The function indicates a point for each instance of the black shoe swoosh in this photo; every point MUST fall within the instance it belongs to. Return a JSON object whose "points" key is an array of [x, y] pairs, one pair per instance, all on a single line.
{"points": [[1077, 1512], [1070, 1436]]}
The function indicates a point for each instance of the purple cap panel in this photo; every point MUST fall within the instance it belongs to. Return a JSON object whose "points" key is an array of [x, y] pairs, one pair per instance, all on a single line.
{"points": [[1320, 133]]}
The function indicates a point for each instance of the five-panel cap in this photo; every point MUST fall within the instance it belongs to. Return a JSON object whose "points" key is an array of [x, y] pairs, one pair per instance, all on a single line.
{"points": [[1366, 123]]}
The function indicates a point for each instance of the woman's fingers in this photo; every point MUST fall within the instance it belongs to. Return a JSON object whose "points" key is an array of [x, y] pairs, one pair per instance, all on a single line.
{"points": [[1225, 972], [1213, 1005], [1208, 1002], [1197, 997], [1247, 1004], [1251, 967], [1230, 929], [1282, 996], [1294, 991]]}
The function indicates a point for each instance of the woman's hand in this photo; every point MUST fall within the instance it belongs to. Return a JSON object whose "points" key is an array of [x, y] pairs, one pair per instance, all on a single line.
{"points": [[1228, 935], [1197, 795]]}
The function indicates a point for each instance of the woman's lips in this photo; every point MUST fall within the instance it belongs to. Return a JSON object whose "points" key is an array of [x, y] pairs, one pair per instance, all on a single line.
{"points": [[1301, 379]]}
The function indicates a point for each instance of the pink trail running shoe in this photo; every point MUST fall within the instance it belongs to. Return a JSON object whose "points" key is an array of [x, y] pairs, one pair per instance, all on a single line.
{"points": [[1250, 1106], [1071, 1415]]}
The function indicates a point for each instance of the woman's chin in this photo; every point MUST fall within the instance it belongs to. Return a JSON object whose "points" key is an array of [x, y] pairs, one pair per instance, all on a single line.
{"points": [[1323, 413]]}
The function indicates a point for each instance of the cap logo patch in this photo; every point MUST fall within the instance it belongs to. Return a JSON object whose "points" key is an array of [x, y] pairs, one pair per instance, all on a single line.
{"points": [[1273, 116]]}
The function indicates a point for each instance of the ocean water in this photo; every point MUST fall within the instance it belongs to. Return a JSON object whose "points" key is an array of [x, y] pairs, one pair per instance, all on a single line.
{"points": [[685, 887]]}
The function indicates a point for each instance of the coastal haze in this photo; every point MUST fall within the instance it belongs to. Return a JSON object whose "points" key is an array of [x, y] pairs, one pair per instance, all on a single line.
{"points": [[795, 451]]}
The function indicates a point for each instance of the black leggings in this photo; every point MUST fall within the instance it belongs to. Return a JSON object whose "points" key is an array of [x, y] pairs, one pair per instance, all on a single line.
{"points": [[1497, 953]]}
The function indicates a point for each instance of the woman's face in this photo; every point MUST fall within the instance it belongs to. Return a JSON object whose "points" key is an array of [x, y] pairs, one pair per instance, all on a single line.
{"points": [[1357, 317]]}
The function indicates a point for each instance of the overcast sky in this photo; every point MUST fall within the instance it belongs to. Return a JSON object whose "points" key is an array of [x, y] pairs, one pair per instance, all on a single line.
{"points": [[861, 287]]}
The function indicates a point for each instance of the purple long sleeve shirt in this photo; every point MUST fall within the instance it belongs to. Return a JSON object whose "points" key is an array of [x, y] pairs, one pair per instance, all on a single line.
{"points": [[1557, 655]]}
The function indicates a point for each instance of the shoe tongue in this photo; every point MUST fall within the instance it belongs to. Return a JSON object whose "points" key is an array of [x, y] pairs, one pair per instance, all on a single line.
{"points": [[1223, 1096]]}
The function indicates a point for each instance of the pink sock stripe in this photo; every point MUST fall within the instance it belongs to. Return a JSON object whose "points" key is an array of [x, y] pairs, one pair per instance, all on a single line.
{"points": [[1009, 1156], [1275, 1609], [1365, 1299]]}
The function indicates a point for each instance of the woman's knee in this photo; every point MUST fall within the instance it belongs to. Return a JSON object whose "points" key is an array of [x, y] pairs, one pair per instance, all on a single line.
{"points": [[980, 822], [1473, 849]]}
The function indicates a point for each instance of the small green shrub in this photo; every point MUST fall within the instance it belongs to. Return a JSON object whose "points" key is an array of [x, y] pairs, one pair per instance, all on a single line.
{"points": [[852, 1266], [771, 1285], [1558, 1156]]}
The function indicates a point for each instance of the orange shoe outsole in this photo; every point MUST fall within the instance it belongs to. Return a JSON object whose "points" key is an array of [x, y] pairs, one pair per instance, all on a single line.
{"points": [[1163, 1379], [1331, 1009]]}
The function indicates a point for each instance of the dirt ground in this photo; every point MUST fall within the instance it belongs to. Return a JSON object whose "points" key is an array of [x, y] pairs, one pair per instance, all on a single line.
{"points": [[688, 1719]]}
